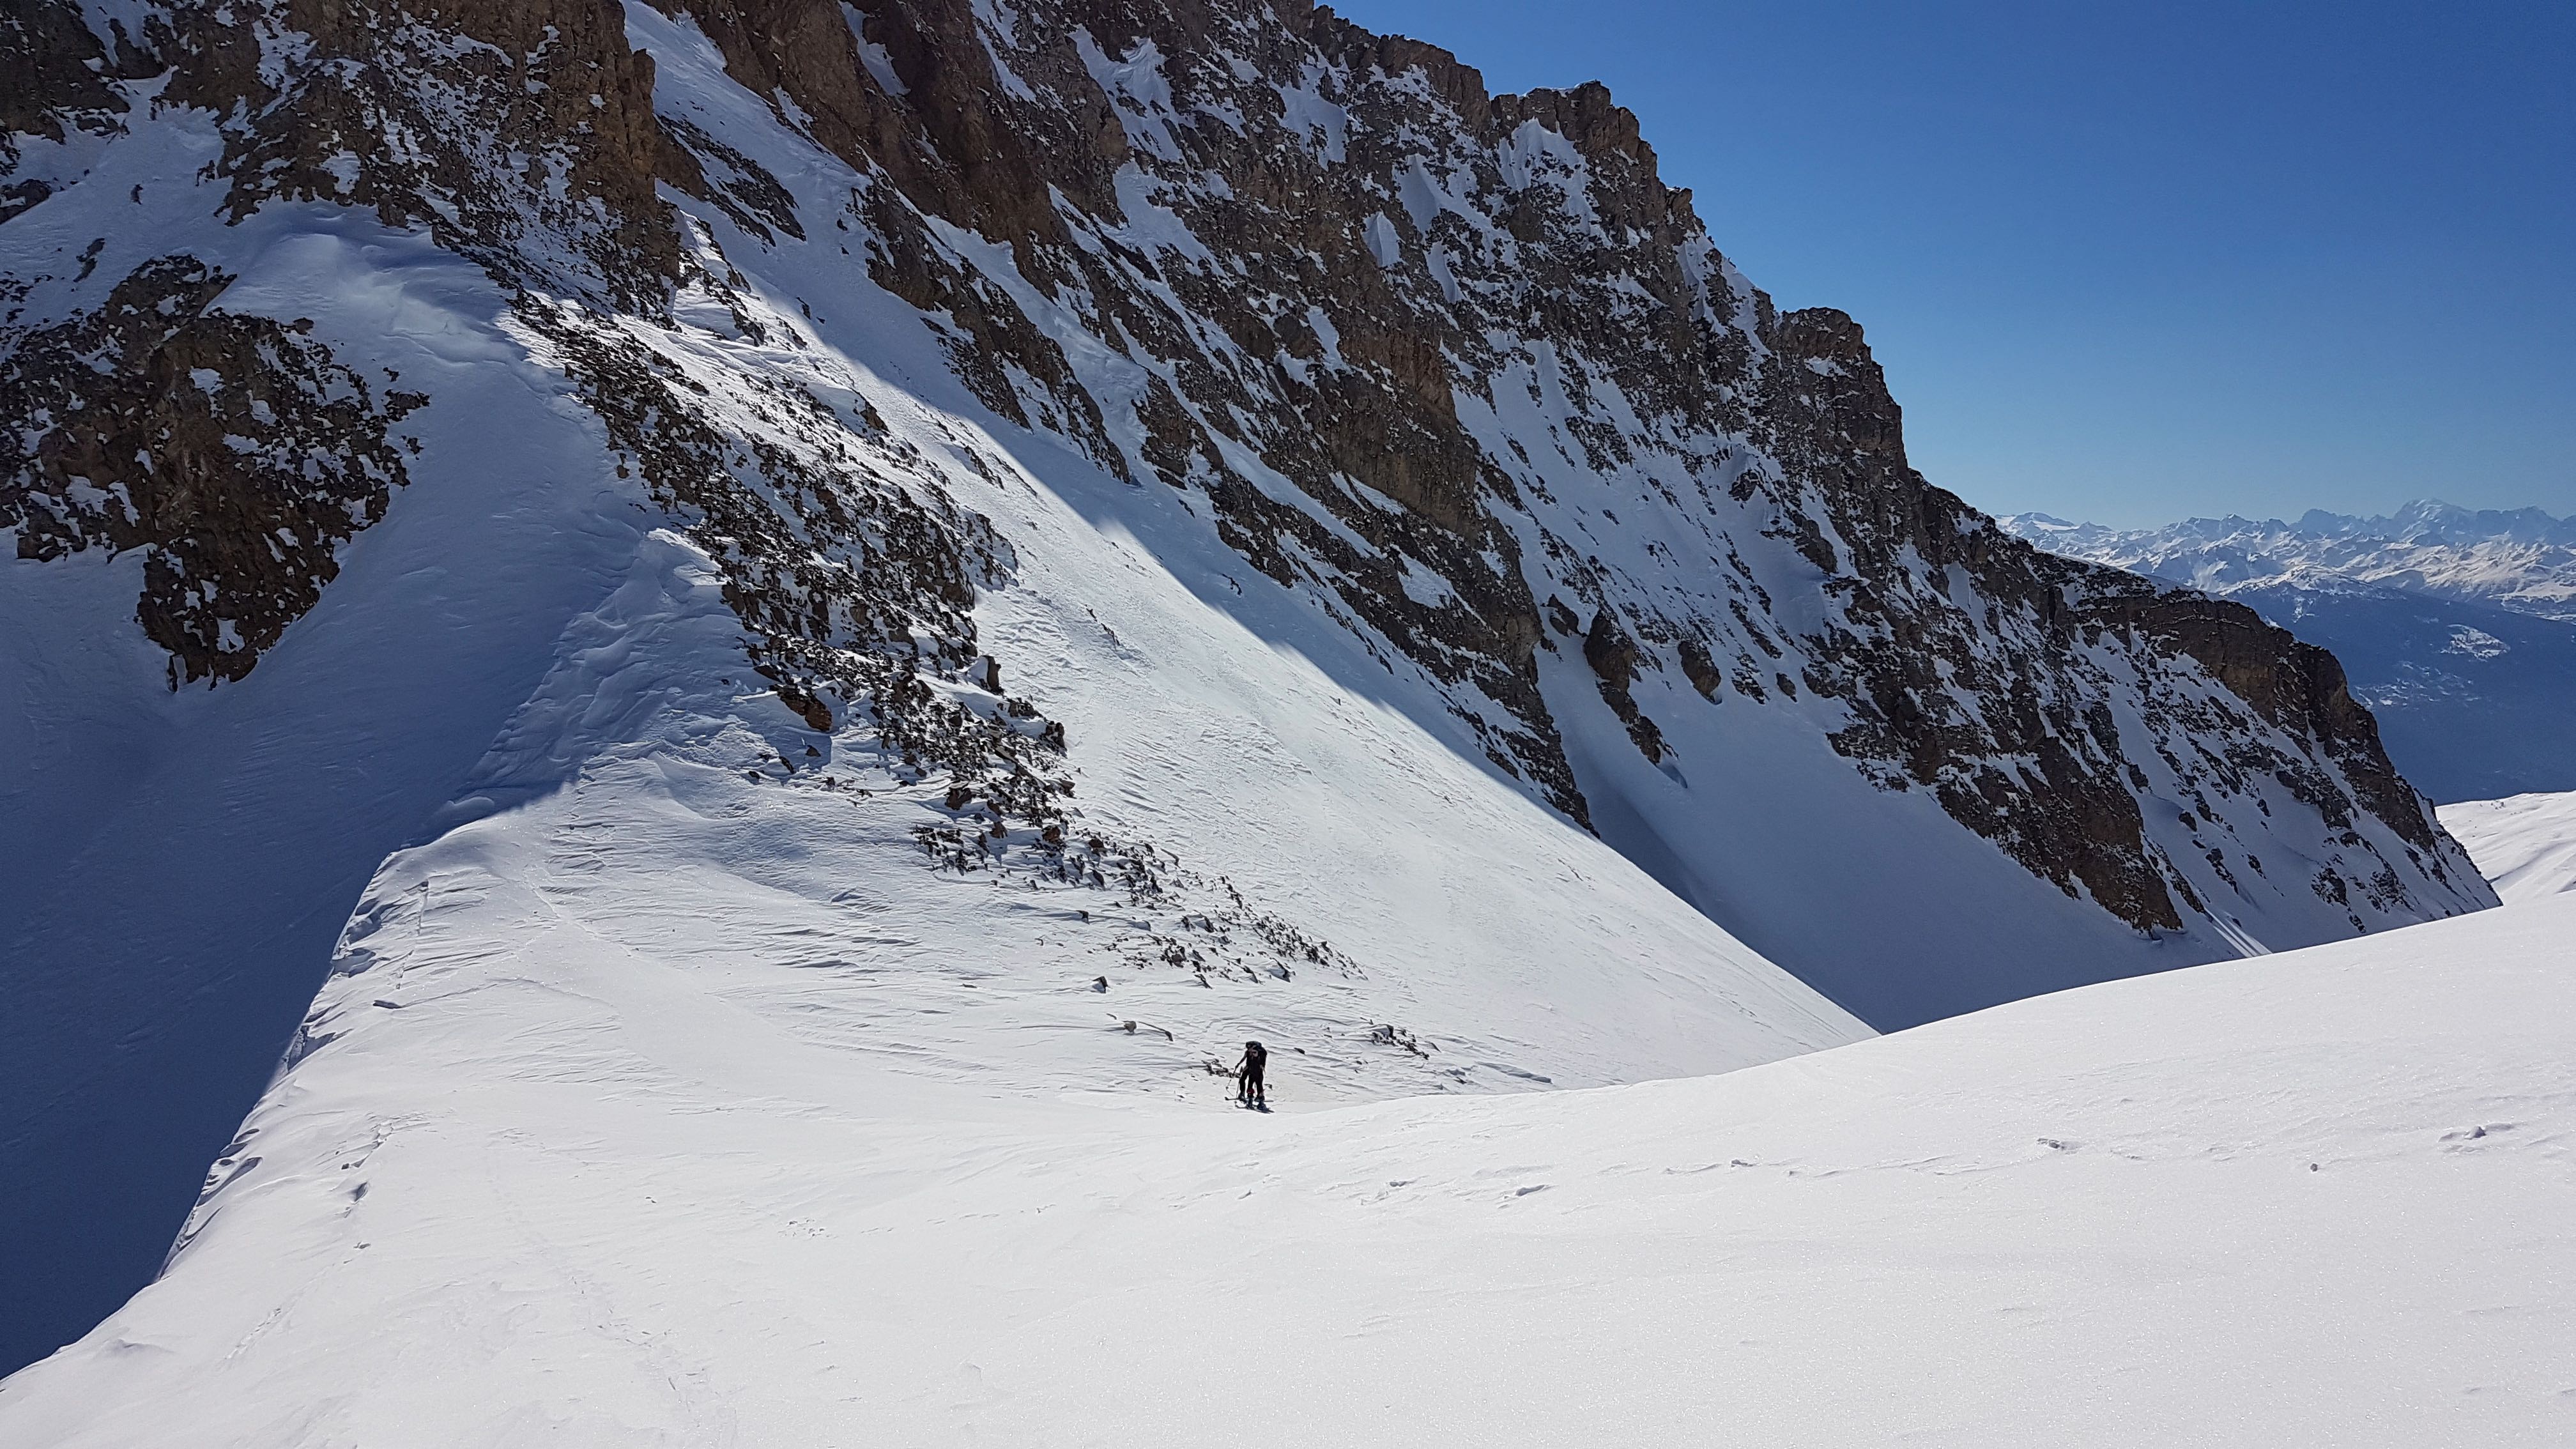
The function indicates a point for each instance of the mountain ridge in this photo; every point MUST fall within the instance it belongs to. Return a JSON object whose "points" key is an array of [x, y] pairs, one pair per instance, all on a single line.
{"points": [[2519, 559], [732, 1234], [1442, 397], [1852, 509]]}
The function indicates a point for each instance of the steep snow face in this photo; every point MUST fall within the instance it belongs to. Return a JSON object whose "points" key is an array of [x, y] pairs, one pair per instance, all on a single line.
{"points": [[2449, 624], [1439, 493], [177, 865], [2526, 845], [1459, 369], [1256, 799], [553, 1165], [2523, 560]]}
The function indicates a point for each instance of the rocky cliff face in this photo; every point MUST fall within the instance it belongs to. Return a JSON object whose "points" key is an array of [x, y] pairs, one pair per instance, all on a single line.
{"points": [[1456, 371], [2456, 627]]}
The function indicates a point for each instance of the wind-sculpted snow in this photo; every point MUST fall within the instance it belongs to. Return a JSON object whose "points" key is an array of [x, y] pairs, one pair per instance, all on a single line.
{"points": [[1194, 462]]}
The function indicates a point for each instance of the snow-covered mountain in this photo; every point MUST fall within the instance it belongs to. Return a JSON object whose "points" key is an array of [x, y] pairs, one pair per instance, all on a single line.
{"points": [[2523, 559], [2526, 845], [2456, 628], [935, 522], [564, 1175]]}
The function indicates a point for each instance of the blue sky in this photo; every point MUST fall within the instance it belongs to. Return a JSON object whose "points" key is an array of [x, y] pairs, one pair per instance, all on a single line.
{"points": [[2129, 263]]}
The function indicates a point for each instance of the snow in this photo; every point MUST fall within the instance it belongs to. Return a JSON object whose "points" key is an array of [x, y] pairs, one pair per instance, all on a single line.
{"points": [[626, 963], [1139, 95], [1880, 898], [1534, 156], [1876, 897], [2525, 845], [2522, 560], [1383, 243], [225, 834], [1323, 123], [553, 1181], [878, 61], [2476, 643]]}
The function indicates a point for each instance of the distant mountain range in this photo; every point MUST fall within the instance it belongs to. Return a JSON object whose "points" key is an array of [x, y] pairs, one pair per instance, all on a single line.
{"points": [[2457, 626]]}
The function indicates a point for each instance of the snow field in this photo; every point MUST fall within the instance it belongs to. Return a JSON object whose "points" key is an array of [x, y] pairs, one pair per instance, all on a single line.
{"points": [[571, 1195]]}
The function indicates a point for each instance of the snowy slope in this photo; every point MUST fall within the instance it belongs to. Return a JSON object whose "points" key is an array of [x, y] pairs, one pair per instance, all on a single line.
{"points": [[2526, 844], [188, 858], [551, 1182], [1458, 914], [1681, 582], [177, 865], [1196, 463]]}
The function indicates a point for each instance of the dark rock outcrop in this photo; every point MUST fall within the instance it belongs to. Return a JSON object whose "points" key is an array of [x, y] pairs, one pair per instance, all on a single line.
{"points": [[233, 449]]}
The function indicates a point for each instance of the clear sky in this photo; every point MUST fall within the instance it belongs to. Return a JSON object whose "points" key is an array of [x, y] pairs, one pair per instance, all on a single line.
{"points": [[2133, 262]]}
